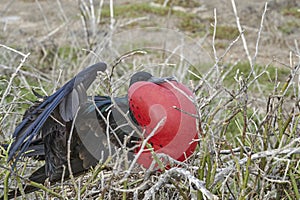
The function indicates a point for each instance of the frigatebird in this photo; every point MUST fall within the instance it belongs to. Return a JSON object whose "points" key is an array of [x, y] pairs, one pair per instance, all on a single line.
{"points": [[70, 115]]}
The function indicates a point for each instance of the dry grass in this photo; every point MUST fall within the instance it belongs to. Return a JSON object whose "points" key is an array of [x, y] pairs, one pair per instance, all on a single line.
{"points": [[249, 135]]}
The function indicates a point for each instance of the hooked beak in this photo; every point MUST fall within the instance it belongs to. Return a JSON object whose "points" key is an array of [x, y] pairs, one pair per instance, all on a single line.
{"points": [[157, 80]]}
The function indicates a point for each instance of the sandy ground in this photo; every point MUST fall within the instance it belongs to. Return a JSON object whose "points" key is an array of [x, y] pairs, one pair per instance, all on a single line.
{"points": [[26, 24]]}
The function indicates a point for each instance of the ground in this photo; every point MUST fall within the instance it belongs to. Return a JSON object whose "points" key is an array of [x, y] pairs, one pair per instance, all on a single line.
{"points": [[30, 24]]}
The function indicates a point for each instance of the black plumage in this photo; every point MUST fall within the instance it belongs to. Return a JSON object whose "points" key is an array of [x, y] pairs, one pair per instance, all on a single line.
{"points": [[69, 114], [91, 124]]}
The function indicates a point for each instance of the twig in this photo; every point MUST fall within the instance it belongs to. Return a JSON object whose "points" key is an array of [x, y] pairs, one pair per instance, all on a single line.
{"points": [[242, 33], [15, 51], [122, 57], [112, 19], [69, 151], [144, 143], [176, 173], [259, 31], [263, 154], [214, 37], [7, 90]]}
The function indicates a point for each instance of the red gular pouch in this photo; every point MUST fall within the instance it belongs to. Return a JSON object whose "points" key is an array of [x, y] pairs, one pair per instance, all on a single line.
{"points": [[172, 101]]}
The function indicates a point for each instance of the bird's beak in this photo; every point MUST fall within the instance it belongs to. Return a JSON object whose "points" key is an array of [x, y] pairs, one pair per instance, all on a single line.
{"points": [[157, 80]]}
